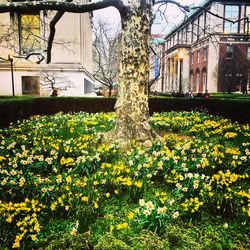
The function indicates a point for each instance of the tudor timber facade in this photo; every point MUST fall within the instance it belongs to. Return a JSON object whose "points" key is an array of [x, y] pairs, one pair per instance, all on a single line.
{"points": [[70, 70], [206, 52]]}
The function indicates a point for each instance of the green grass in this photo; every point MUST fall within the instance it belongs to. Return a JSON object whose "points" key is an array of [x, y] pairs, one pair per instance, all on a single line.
{"points": [[62, 188], [231, 96], [2, 98]]}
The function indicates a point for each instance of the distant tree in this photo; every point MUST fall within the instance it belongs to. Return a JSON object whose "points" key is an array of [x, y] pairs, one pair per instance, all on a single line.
{"points": [[23, 37], [106, 54], [233, 76], [53, 83]]}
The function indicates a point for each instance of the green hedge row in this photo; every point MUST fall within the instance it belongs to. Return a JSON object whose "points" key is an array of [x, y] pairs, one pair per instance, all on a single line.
{"points": [[14, 109], [234, 109]]}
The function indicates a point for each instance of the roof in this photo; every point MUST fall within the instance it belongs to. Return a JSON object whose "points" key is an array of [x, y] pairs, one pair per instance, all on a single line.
{"points": [[189, 15], [195, 11], [157, 39]]}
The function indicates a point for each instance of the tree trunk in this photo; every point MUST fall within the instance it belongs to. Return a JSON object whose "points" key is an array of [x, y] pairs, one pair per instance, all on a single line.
{"points": [[132, 112], [110, 90]]}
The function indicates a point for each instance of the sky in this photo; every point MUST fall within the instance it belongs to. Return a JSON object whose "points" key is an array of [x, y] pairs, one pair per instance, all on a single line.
{"points": [[173, 13]]}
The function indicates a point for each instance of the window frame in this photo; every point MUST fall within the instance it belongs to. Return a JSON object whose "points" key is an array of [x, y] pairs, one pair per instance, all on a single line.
{"points": [[198, 54], [16, 21], [192, 58], [231, 25], [191, 75], [33, 29], [229, 54], [192, 32], [204, 53], [204, 79], [197, 80], [30, 85], [247, 20]]}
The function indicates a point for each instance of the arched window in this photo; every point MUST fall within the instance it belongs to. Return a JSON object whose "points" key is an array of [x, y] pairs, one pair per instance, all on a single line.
{"points": [[197, 80], [204, 80], [191, 85]]}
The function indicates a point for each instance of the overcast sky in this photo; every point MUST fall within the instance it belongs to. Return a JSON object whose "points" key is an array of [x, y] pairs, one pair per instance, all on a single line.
{"points": [[173, 13]]}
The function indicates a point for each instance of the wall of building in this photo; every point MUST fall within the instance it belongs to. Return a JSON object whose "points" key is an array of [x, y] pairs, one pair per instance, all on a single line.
{"points": [[186, 70], [68, 82], [199, 66], [213, 62], [71, 57], [233, 76], [204, 30]]}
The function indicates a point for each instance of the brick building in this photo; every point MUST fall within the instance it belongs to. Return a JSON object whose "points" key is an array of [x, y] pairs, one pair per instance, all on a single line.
{"points": [[207, 51]]}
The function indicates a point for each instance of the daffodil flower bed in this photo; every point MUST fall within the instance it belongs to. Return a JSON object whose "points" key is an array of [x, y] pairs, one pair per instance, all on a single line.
{"points": [[59, 181]]}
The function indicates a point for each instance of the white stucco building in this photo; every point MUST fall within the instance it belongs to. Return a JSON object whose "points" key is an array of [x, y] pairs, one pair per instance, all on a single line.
{"points": [[70, 70]]}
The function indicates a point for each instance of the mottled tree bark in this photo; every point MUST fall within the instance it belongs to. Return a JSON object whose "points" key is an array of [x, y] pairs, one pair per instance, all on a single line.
{"points": [[132, 112]]}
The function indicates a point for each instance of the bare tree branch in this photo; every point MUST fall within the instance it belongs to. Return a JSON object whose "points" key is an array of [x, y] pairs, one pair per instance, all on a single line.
{"points": [[184, 7], [52, 25], [105, 53], [74, 7], [51, 81], [187, 8]]}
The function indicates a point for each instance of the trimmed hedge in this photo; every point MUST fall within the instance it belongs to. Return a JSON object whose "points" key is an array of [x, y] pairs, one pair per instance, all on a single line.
{"points": [[234, 109], [14, 109], [49, 106]]}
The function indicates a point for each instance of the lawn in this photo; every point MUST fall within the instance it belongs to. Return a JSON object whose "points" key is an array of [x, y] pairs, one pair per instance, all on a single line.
{"points": [[61, 188], [234, 96]]}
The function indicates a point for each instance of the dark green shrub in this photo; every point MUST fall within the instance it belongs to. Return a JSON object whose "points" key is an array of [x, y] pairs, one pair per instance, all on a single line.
{"points": [[14, 109], [148, 240], [66, 241], [110, 242], [49, 106], [234, 109], [199, 94]]}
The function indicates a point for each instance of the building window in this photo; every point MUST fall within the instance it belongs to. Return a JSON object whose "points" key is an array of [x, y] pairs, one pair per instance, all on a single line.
{"points": [[231, 13], [198, 56], [201, 20], [28, 27], [197, 81], [188, 38], [178, 37], [30, 32], [192, 32], [30, 85], [204, 54], [229, 51], [196, 29], [247, 22], [88, 86], [204, 79], [192, 81], [184, 36], [248, 52], [192, 58]]}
